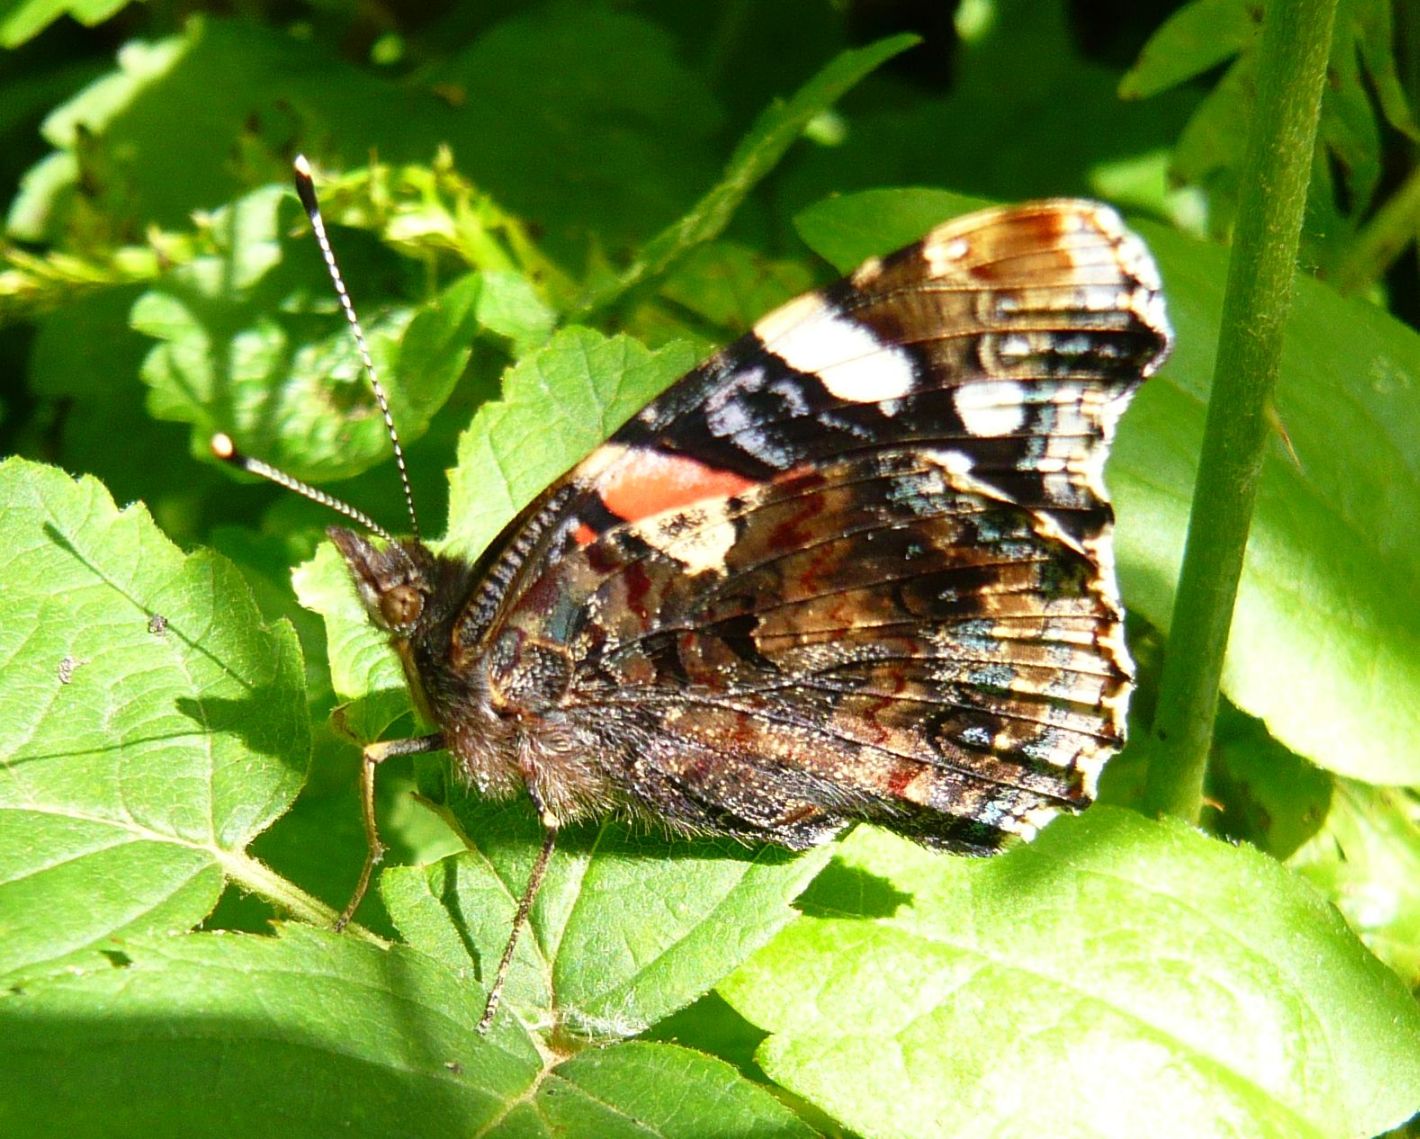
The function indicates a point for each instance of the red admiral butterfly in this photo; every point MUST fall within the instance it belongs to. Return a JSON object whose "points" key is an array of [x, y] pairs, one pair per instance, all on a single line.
{"points": [[856, 566]]}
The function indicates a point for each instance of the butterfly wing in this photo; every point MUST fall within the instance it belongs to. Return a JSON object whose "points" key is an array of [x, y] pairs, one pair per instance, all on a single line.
{"points": [[857, 565]]}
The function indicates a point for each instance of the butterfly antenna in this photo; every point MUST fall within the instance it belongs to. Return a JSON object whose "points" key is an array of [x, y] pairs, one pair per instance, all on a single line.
{"points": [[226, 450], [306, 191]]}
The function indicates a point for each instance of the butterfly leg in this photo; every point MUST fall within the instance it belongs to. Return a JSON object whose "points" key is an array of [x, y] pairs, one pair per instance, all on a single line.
{"points": [[525, 903], [371, 757]]}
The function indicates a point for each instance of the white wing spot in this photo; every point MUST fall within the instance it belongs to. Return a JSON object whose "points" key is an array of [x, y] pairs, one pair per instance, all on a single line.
{"points": [[1015, 346], [953, 462], [992, 407], [942, 256], [699, 538], [845, 356], [1028, 824]]}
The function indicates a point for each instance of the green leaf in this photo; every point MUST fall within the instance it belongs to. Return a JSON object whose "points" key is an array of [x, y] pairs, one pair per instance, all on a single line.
{"points": [[1194, 40], [627, 928], [847, 230], [1326, 633], [307, 1034], [510, 306], [1363, 87], [22, 20], [138, 757], [1121, 975], [732, 286], [142, 135], [243, 352], [1367, 859], [364, 671], [758, 153], [1325, 644], [557, 405], [311, 1034]]}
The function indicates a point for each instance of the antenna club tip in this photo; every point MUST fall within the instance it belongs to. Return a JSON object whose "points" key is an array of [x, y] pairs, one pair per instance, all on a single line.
{"points": [[301, 166], [223, 447]]}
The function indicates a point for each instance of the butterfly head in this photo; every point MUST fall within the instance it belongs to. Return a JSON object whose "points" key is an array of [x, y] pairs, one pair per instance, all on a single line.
{"points": [[395, 581]]}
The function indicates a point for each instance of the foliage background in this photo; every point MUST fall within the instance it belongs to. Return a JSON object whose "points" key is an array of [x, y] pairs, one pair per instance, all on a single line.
{"points": [[547, 212]]}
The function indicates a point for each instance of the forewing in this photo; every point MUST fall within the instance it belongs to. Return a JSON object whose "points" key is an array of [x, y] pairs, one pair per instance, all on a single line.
{"points": [[857, 565]]}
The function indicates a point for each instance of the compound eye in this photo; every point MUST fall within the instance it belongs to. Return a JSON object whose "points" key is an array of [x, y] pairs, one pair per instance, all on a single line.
{"points": [[401, 606]]}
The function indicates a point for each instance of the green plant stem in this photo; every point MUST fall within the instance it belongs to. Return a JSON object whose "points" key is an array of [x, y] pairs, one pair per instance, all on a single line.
{"points": [[769, 139], [1382, 239], [251, 874], [1292, 57]]}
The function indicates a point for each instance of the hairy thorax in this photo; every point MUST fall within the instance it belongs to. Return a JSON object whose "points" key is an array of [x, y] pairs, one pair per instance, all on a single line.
{"points": [[505, 721], [499, 698]]}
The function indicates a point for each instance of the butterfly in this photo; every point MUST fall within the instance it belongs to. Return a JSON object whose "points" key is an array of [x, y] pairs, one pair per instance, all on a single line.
{"points": [[856, 566]]}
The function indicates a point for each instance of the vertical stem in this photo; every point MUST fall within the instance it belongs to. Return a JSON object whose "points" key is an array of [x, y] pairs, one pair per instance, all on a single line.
{"points": [[1292, 58]]}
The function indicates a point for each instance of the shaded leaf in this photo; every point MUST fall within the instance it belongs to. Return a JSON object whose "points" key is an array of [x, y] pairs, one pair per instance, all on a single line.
{"points": [[1263, 793], [84, 364], [308, 1034], [624, 1091], [615, 150], [1192, 41], [1025, 116], [758, 153], [1362, 88], [312, 1033], [732, 286]]}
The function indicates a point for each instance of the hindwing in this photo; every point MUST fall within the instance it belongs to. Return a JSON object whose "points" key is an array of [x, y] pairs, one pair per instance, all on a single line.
{"points": [[857, 565]]}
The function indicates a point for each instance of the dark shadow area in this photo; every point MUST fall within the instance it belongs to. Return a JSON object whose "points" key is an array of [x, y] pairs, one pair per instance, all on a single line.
{"points": [[149, 1065], [1257, 791], [500, 824], [712, 1025], [35, 757], [843, 891], [246, 720]]}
